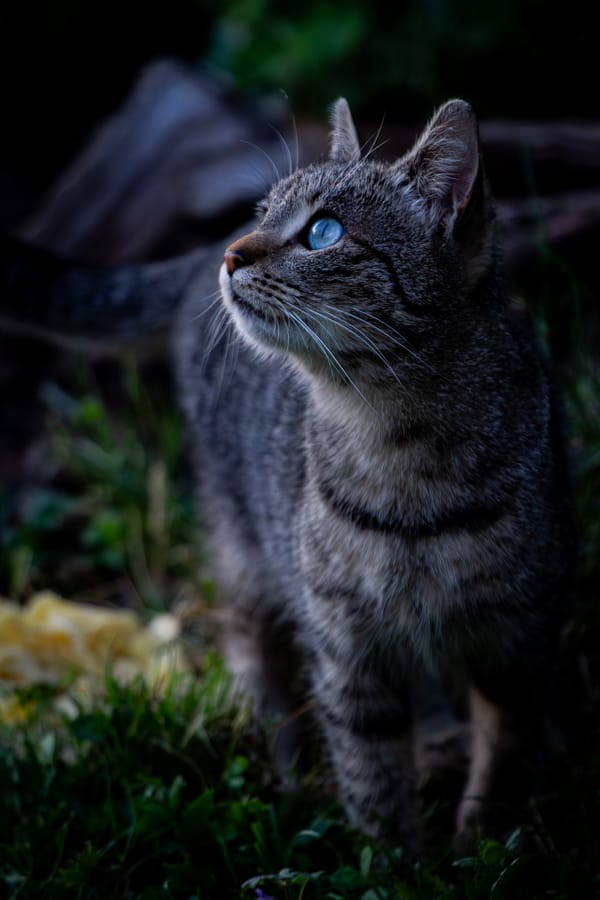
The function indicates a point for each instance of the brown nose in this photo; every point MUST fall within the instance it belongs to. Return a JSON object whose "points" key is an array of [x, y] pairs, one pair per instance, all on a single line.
{"points": [[234, 259]]}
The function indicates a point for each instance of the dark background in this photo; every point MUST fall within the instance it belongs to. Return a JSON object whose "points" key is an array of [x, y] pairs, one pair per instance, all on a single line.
{"points": [[65, 64]]}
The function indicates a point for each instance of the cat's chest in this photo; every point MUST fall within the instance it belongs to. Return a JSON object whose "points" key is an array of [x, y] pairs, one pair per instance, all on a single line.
{"points": [[374, 500], [385, 548], [375, 519], [389, 546], [367, 592]]}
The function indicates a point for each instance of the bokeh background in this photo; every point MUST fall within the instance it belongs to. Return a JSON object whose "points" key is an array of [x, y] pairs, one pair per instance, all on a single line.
{"points": [[65, 64]]}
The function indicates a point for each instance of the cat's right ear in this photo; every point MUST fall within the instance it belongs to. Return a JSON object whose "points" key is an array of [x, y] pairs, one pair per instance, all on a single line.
{"points": [[344, 144], [444, 163], [445, 168]]}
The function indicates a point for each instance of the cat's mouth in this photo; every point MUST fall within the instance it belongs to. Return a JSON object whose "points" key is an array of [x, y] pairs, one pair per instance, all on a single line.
{"points": [[250, 308]]}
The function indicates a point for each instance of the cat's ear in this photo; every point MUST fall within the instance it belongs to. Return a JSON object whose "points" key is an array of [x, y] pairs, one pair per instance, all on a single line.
{"points": [[444, 163], [344, 144]]}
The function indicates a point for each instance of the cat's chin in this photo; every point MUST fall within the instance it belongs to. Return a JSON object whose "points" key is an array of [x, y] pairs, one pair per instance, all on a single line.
{"points": [[256, 327], [261, 327], [267, 338], [251, 322]]}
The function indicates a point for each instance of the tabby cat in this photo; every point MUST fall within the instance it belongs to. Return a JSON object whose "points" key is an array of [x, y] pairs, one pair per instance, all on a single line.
{"points": [[382, 467], [380, 456]]}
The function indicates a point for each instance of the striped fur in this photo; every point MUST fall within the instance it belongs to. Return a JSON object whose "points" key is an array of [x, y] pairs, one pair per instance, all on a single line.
{"points": [[382, 466]]}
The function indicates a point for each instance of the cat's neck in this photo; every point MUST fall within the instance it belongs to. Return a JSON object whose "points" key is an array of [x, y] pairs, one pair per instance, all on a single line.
{"points": [[358, 408], [458, 386]]}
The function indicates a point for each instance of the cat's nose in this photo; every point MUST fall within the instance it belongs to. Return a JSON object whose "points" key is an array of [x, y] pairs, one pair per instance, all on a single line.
{"points": [[234, 259], [248, 250]]}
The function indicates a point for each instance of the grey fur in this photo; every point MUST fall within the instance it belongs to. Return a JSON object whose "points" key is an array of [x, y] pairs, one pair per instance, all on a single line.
{"points": [[381, 465], [344, 144]]}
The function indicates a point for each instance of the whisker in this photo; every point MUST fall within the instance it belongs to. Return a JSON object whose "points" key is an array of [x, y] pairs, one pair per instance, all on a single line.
{"points": [[227, 364], [296, 142], [294, 131], [305, 339], [267, 156], [285, 146], [348, 170], [389, 333], [258, 179], [372, 142], [329, 355], [330, 359], [214, 297], [355, 332], [375, 147], [215, 332]]}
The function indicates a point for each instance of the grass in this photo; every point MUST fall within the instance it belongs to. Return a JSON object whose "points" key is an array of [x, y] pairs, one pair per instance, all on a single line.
{"points": [[148, 796], [170, 796], [120, 509], [140, 794]]}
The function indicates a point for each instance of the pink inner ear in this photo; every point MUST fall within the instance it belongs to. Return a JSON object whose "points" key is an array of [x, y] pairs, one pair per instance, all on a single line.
{"points": [[453, 170], [463, 190], [460, 205]]}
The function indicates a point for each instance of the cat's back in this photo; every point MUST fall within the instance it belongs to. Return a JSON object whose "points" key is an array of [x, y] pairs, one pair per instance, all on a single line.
{"points": [[542, 423]]}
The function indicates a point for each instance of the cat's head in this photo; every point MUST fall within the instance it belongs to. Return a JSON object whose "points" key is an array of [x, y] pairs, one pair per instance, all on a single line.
{"points": [[357, 266]]}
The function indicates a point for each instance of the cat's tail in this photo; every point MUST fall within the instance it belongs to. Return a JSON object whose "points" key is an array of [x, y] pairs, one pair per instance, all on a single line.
{"points": [[91, 306]]}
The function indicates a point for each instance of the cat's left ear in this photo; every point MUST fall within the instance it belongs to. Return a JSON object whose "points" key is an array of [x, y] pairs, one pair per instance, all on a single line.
{"points": [[444, 163], [344, 144]]}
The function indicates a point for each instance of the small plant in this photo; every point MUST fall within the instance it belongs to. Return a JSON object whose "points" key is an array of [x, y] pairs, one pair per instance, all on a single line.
{"points": [[121, 507]]}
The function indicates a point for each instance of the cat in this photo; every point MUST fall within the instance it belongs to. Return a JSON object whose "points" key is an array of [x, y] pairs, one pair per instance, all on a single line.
{"points": [[380, 459], [382, 468]]}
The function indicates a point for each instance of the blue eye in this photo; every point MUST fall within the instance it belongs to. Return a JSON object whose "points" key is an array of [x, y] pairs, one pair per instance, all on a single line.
{"points": [[324, 232]]}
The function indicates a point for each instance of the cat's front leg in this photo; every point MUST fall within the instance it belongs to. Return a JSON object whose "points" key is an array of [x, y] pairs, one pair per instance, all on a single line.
{"points": [[367, 730], [264, 661], [508, 719]]}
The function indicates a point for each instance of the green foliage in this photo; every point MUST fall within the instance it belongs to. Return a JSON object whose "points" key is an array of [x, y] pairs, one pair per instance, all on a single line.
{"points": [[171, 796], [146, 796], [123, 507], [135, 797], [405, 56]]}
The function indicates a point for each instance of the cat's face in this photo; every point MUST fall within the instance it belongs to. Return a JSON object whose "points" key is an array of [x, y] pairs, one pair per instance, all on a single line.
{"points": [[344, 268]]}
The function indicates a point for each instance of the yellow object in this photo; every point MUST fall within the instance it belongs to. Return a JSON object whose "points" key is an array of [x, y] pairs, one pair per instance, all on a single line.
{"points": [[50, 638]]}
